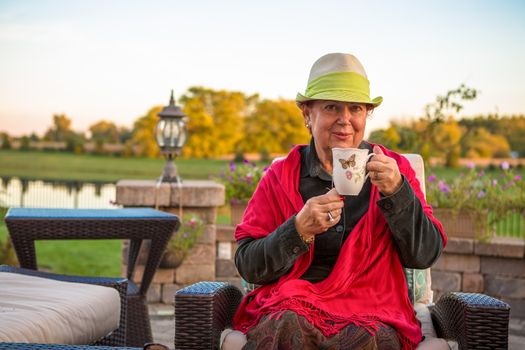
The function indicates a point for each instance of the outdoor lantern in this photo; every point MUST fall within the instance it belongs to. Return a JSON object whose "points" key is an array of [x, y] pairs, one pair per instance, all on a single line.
{"points": [[171, 136]]}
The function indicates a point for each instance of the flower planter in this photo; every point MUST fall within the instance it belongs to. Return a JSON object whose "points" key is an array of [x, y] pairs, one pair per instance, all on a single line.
{"points": [[237, 211], [462, 223], [172, 259]]}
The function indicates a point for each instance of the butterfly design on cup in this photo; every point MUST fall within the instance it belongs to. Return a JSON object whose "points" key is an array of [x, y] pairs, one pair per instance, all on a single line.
{"points": [[347, 163]]}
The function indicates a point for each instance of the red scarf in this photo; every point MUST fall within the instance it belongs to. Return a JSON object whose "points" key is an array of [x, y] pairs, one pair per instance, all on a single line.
{"points": [[367, 285]]}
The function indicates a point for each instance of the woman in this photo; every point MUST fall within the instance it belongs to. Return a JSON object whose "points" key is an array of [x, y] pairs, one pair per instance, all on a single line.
{"points": [[330, 266]]}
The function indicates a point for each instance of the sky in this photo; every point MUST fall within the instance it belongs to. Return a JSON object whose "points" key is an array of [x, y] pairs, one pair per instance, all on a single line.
{"points": [[114, 60]]}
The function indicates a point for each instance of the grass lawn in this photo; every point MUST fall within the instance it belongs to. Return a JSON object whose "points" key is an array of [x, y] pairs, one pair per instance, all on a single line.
{"points": [[67, 166]]}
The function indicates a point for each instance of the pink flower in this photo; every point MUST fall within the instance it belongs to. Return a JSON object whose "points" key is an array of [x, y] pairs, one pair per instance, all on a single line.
{"points": [[505, 165], [432, 178], [471, 165], [494, 182], [517, 177], [481, 194], [443, 187]]}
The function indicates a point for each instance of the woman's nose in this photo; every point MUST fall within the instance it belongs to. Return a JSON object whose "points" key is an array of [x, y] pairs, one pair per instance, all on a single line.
{"points": [[344, 115]]}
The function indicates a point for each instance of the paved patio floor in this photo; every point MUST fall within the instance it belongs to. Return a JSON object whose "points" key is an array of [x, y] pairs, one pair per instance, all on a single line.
{"points": [[163, 327]]}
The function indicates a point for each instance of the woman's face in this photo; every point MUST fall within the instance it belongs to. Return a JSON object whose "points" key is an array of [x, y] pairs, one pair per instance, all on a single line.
{"points": [[335, 124]]}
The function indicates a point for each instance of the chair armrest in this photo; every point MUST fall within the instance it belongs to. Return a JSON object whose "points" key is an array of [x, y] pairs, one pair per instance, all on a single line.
{"points": [[202, 311], [118, 337], [475, 321]]}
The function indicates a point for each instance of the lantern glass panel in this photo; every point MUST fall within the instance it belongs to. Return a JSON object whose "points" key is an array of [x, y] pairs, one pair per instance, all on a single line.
{"points": [[168, 133], [183, 133]]}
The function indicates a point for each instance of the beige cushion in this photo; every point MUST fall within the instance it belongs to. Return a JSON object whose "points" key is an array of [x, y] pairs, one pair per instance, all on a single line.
{"points": [[422, 283], [232, 340], [427, 328], [41, 310]]}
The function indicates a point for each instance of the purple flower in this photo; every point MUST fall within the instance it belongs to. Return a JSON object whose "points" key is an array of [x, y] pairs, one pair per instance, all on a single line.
{"points": [[443, 187], [245, 161], [517, 177], [481, 194], [505, 165], [432, 178], [494, 182], [471, 165], [232, 166], [266, 168], [481, 173]]}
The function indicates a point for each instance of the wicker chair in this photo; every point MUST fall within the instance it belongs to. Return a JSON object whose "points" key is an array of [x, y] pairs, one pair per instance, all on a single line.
{"points": [[118, 337], [475, 321]]}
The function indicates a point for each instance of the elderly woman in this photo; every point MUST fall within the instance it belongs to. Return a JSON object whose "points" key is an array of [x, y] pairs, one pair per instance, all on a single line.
{"points": [[330, 266]]}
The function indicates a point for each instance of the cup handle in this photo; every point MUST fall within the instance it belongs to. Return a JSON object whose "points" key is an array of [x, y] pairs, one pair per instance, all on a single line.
{"points": [[367, 160]]}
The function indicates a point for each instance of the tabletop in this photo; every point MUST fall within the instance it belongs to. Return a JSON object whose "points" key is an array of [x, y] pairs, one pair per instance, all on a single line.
{"points": [[125, 213], [27, 225]]}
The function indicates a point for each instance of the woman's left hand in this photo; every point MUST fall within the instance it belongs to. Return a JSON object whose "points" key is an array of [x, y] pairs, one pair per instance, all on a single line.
{"points": [[384, 173]]}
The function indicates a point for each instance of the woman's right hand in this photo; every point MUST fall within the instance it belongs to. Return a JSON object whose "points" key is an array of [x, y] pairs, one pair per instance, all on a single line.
{"points": [[319, 214]]}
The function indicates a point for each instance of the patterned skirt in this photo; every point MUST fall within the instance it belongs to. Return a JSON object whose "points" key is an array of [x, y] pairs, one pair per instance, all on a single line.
{"points": [[292, 331]]}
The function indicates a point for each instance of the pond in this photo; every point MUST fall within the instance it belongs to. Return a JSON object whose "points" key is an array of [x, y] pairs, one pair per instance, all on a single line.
{"points": [[27, 192]]}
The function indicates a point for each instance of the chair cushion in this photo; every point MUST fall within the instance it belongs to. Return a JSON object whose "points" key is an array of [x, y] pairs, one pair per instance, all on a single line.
{"points": [[419, 285], [42, 310]]}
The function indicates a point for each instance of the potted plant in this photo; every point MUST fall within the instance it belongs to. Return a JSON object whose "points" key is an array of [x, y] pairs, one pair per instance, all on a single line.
{"points": [[240, 181], [182, 241], [463, 204]]}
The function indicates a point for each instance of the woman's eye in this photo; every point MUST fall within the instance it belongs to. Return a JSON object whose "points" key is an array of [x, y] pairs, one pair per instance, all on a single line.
{"points": [[356, 109], [330, 107]]}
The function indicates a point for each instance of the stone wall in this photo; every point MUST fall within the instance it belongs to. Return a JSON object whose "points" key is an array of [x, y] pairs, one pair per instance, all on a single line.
{"points": [[496, 269], [192, 196]]}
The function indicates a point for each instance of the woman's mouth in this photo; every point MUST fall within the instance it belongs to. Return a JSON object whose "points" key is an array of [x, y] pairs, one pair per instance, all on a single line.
{"points": [[342, 136]]}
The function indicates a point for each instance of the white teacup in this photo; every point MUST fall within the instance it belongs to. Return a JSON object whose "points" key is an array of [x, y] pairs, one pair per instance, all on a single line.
{"points": [[349, 169]]}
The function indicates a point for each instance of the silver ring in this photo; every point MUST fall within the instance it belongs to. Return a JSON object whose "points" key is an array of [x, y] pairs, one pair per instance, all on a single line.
{"points": [[330, 217]]}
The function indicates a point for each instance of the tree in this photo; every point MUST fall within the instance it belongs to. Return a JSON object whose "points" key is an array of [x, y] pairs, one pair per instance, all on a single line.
{"points": [[142, 142], [446, 140], [5, 140], [480, 143], [389, 138], [438, 111], [216, 121], [104, 132], [274, 127], [60, 130], [25, 143]]}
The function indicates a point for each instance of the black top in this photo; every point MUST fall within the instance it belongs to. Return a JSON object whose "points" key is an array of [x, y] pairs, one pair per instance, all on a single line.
{"points": [[417, 239]]}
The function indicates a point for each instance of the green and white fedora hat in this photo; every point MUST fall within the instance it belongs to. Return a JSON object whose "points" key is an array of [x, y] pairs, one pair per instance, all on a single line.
{"points": [[338, 77]]}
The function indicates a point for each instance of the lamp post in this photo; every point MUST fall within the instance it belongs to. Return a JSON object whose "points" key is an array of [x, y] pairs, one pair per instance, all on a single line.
{"points": [[171, 135]]}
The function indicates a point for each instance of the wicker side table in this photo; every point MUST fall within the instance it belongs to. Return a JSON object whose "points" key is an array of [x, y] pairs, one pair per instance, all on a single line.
{"points": [[26, 225]]}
